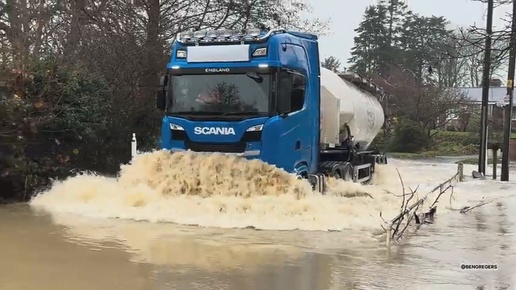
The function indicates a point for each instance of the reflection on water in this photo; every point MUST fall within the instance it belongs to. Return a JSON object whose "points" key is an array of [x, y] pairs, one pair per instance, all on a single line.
{"points": [[66, 251]]}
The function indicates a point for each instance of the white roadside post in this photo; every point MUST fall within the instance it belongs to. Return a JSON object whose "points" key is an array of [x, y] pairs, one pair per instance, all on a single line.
{"points": [[487, 150], [133, 146]]}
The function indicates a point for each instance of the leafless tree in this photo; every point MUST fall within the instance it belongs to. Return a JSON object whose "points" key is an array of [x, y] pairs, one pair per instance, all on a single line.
{"points": [[331, 63], [421, 101], [125, 43], [468, 47]]}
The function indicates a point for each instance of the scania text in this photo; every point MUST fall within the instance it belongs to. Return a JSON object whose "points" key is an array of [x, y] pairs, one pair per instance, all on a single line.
{"points": [[214, 131]]}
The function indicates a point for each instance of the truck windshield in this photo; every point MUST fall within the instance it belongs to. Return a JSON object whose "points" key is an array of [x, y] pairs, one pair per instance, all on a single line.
{"points": [[224, 94]]}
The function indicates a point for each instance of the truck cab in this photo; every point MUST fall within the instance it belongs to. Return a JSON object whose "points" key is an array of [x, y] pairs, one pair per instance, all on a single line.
{"points": [[254, 93]]}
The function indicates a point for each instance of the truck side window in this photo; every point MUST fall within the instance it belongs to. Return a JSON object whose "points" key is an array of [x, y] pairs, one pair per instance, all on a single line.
{"points": [[298, 92], [293, 86], [284, 86]]}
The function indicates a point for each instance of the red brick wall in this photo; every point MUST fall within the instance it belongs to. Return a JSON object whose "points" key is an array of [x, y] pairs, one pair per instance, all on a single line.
{"points": [[512, 149]]}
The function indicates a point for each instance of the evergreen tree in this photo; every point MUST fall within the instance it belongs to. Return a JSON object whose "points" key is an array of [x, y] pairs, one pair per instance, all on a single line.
{"points": [[398, 48], [397, 14], [377, 45], [368, 54], [423, 41]]}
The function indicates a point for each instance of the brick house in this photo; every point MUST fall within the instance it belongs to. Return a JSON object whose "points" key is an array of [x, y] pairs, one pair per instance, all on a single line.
{"points": [[496, 109]]}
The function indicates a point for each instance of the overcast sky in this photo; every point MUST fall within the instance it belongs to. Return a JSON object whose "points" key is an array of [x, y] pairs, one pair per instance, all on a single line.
{"points": [[346, 15]]}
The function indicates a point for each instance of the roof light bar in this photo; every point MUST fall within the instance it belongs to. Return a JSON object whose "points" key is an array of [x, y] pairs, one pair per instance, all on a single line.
{"points": [[225, 35]]}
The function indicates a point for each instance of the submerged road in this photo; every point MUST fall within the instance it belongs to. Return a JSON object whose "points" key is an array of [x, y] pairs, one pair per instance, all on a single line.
{"points": [[44, 251]]}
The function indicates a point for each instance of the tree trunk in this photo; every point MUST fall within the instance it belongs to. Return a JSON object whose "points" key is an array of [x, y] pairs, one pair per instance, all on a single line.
{"points": [[152, 47]]}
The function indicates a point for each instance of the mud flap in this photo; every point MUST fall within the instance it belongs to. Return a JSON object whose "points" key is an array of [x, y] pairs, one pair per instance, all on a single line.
{"points": [[318, 182]]}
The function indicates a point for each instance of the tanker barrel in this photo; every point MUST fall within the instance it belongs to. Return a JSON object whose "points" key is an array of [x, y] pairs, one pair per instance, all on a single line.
{"points": [[349, 105]]}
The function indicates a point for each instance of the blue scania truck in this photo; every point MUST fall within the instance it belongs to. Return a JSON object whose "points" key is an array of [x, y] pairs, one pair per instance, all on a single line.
{"points": [[262, 93]]}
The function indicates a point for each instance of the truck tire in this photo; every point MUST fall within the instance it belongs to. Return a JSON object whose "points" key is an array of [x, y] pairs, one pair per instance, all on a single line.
{"points": [[347, 172], [344, 172]]}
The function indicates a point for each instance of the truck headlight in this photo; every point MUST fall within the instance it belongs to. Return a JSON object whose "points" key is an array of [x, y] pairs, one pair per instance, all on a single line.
{"points": [[255, 128], [176, 127]]}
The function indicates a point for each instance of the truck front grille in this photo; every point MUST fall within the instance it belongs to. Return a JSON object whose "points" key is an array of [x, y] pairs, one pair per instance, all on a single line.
{"points": [[256, 136], [238, 147]]}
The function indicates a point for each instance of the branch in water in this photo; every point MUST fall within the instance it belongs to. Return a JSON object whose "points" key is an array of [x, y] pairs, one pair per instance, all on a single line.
{"points": [[467, 209], [358, 194]]}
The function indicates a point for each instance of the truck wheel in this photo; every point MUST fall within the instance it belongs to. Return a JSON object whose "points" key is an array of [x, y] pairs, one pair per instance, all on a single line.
{"points": [[347, 172]]}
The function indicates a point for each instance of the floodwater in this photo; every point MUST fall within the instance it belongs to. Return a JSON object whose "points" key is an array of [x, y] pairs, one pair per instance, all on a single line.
{"points": [[83, 235]]}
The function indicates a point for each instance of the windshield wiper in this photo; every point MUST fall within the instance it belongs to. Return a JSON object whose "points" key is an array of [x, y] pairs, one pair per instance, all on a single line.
{"points": [[199, 113], [204, 113], [255, 76], [243, 113]]}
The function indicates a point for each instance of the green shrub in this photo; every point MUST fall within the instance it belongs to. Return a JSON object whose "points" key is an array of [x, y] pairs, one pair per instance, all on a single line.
{"points": [[409, 137], [381, 141], [463, 138], [471, 139], [69, 103]]}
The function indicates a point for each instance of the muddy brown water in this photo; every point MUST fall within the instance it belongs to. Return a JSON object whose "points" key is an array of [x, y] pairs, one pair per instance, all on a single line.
{"points": [[44, 250]]}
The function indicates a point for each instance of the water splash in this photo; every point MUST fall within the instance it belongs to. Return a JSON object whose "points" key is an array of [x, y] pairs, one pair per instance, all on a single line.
{"points": [[217, 190]]}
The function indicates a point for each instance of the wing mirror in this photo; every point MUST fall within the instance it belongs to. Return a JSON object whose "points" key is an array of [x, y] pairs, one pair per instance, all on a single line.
{"points": [[161, 96]]}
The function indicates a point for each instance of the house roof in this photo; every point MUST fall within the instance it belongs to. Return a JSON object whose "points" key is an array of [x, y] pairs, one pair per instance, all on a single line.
{"points": [[496, 94]]}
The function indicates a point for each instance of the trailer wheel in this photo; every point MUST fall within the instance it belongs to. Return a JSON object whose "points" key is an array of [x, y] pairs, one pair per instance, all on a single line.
{"points": [[384, 159]]}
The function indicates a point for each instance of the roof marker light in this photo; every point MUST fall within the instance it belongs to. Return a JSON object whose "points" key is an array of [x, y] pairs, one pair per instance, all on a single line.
{"points": [[241, 33], [187, 35], [199, 34], [253, 32], [212, 34], [226, 33]]}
